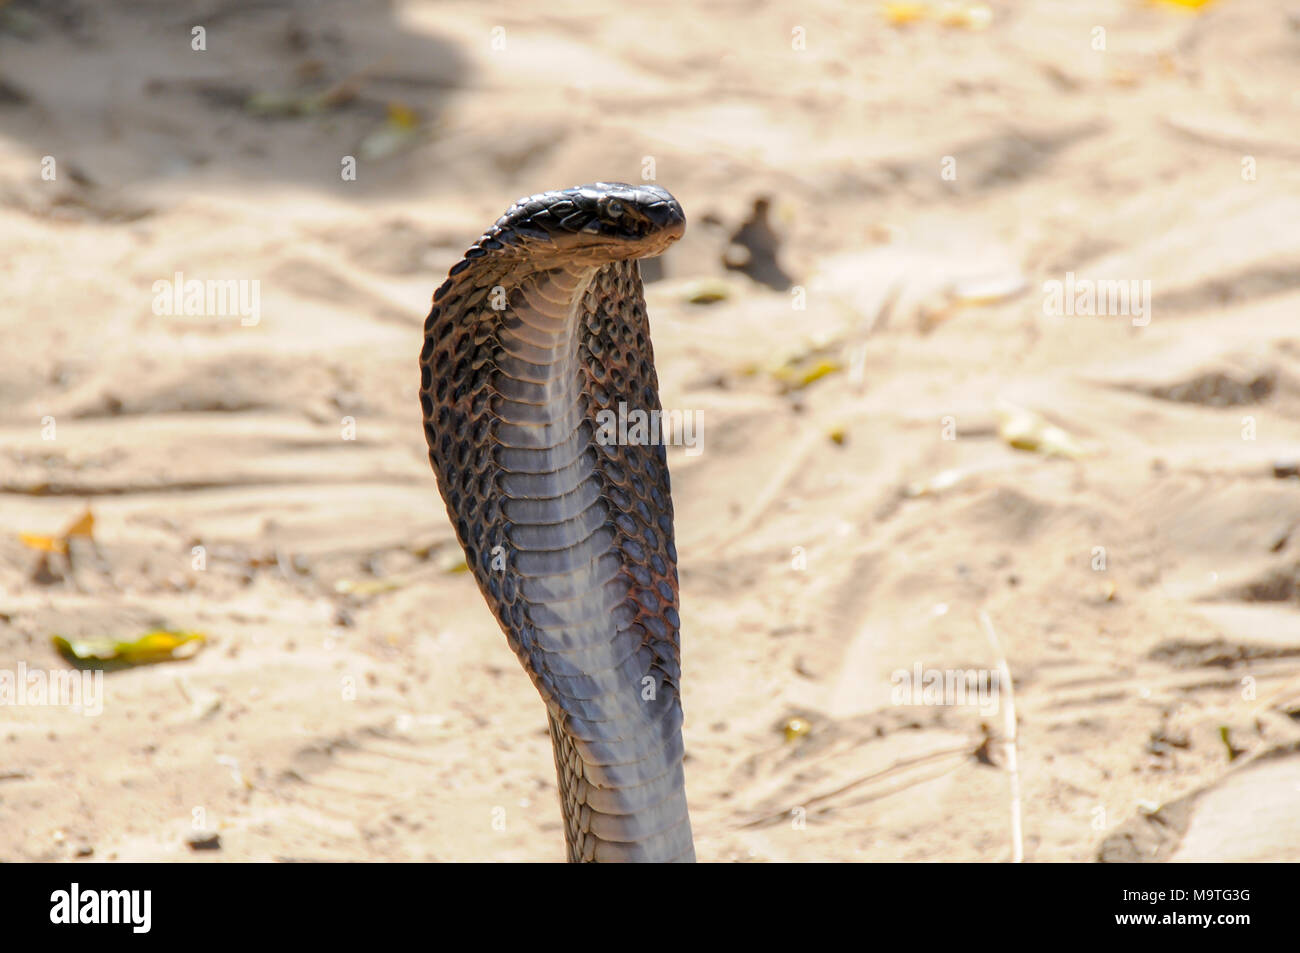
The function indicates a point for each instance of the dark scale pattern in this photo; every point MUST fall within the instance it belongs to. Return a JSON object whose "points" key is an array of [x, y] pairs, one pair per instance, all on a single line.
{"points": [[570, 541]]}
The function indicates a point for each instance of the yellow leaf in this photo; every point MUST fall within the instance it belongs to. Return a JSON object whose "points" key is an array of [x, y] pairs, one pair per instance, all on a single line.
{"points": [[798, 377], [44, 544], [707, 291], [83, 526], [455, 564], [281, 104], [970, 16], [796, 728], [366, 587], [402, 116], [159, 645], [900, 14]]}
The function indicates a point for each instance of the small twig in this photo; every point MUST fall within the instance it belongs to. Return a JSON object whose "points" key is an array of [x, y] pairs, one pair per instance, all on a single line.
{"points": [[1009, 745], [1221, 139], [771, 817], [1278, 694]]}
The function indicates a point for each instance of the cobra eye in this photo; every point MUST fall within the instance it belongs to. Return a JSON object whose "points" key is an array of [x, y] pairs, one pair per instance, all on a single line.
{"points": [[614, 208]]}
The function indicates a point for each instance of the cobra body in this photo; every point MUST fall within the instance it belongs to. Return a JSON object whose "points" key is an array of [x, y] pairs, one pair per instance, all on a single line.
{"points": [[540, 327]]}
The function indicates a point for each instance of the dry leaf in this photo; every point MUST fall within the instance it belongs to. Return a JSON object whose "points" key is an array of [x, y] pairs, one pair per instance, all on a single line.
{"points": [[901, 14], [84, 525], [796, 728], [454, 563], [707, 291], [159, 645], [936, 484], [799, 375], [44, 544], [403, 116], [967, 16], [367, 587], [1026, 430]]}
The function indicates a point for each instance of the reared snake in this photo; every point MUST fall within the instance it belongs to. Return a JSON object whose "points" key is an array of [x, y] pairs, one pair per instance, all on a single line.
{"points": [[537, 330]]}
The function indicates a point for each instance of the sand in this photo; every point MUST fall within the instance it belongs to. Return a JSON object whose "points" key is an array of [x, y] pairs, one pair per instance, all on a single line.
{"points": [[854, 506]]}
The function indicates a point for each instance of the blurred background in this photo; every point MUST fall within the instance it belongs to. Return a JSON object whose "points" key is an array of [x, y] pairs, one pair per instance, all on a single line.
{"points": [[227, 509]]}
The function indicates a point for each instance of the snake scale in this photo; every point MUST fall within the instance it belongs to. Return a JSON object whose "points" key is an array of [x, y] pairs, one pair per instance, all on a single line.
{"points": [[539, 328]]}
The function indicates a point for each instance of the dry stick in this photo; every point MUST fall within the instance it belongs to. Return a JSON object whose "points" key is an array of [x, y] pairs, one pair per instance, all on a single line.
{"points": [[772, 817], [1275, 696], [1228, 139], [1275, 707], [1009, 746]]}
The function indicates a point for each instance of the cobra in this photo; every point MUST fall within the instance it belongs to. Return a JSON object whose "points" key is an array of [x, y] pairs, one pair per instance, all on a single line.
{"points": [[537, 329]]}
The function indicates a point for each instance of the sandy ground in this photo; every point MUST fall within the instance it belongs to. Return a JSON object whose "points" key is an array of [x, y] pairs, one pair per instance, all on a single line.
{"points": [[356, 700]]}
